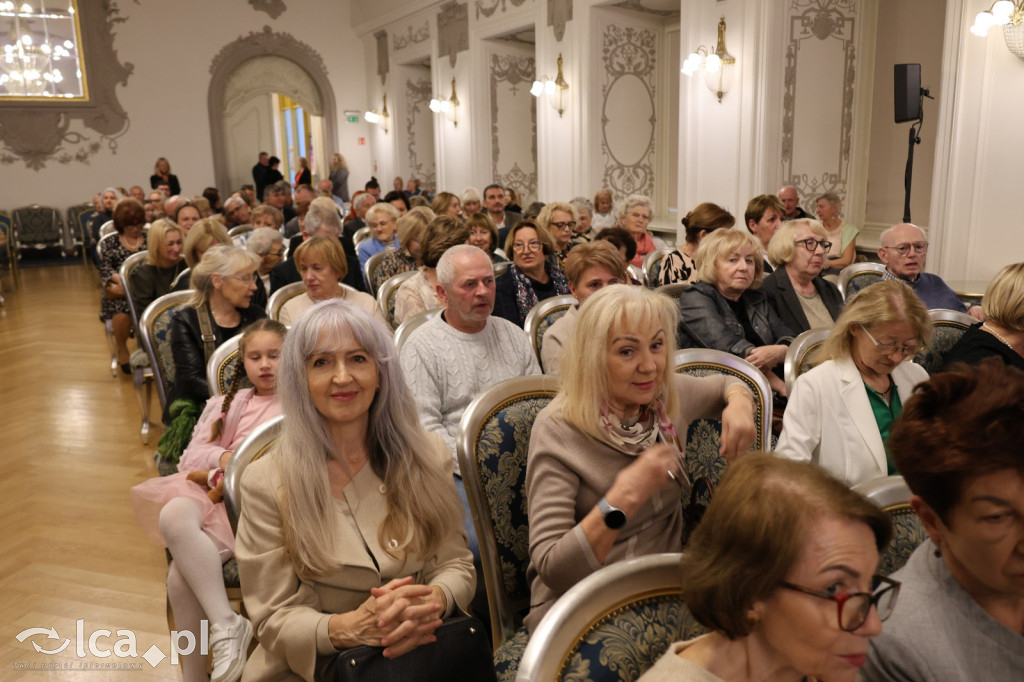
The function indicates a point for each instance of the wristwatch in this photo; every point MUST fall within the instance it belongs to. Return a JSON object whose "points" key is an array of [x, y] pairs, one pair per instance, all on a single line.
{"points": [[614, 518]]}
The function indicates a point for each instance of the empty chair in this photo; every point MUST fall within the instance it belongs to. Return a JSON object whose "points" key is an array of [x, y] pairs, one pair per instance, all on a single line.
{"points": [[37, 227]]}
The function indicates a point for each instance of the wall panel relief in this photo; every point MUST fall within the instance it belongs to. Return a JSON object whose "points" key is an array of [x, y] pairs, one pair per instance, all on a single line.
{"points": [[628, 117], [400, 41], [513, 122], [452, 30], [489, 7], [383, 61], [818, 102], [419, 130]]}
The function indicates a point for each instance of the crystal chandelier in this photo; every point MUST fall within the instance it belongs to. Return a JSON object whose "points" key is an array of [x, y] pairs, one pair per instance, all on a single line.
{"points": [[1009, 15], [39, 54]]}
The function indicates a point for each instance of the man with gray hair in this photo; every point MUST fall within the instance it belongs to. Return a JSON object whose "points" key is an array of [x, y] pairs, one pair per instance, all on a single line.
{"points": [[361, 204], [322, 220], [452, 358], [791, 200], [236, 211]]}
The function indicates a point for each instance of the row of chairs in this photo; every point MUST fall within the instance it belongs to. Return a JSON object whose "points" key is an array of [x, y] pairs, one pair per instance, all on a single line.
{"points": [[38, 227]]}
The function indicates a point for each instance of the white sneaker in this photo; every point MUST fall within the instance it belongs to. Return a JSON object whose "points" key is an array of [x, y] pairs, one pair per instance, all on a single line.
{"points": [[230, 646]]}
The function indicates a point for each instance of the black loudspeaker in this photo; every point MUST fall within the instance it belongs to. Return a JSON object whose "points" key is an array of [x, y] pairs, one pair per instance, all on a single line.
{"points": [[907, 92]]}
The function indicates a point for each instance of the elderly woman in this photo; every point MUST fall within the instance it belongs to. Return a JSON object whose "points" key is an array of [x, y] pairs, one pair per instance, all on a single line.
{"points": [[129, 217], [483, 234], [322, 265], [841, 411], [382, 219], [154, 278], [843, 237], [268, 244], [223, 284], [419, 292], [265, 215], [585, 210], [351, 532], [471, 202], [782, 570], [589, 268], [532, 277], [186, 215], [635, 215], [410, 239], [958, 446], [446, 203], [606, 455], [162, 176], [1002, 333], [726, 311], [604, 210], [559, 220], [796, 290], [681, 264]]}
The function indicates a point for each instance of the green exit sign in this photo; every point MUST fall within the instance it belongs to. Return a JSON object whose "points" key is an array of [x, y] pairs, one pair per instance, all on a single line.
{"points": [[353, 119]]}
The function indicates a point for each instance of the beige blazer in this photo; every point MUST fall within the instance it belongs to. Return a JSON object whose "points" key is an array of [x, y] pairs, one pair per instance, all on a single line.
{"points": [[289, 613], [829, 421]]}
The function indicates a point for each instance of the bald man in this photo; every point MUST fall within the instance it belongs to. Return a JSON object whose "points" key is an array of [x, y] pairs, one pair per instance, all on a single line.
{"points": [[904, 251], [791, 200]]}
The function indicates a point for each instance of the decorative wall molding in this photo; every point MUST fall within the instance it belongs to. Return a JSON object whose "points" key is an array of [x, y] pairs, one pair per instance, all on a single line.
{"points": [[259, 44], [274, 8], [489, 7], [819, 20], [411, 37], [637, 6], [452, 30], [629, 58], [559, 14], [516, 73], [37, 132], [417, 97], [383, 61], [268, 75]]}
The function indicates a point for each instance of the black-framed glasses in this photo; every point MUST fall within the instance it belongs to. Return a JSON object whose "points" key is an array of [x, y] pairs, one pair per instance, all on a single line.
{"points": [[891, 347], [904, 249], [567, 225], [853, 609], [811, 244]]}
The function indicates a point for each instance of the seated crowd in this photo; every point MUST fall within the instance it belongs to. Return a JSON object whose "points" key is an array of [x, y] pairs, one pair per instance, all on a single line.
{"points": [[356, 527]]}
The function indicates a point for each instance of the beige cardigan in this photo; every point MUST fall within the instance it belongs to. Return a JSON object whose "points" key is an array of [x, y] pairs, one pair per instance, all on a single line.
{"points": [[567, 472], [290, 614]]}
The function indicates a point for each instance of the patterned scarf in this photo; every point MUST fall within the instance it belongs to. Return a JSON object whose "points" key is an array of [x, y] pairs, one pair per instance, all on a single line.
{"points": [[526, 297], [651, 424]]}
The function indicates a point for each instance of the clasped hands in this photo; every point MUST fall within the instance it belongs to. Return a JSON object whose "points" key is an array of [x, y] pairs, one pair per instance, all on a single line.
{"points": [[398, 616]]}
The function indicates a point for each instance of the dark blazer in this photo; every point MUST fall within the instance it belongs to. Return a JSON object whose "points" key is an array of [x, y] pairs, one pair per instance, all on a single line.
{"points": [[784, 299], [712, 323], [511, 220]]}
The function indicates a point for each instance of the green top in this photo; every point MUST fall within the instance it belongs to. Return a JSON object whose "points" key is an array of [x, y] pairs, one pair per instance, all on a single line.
{"points": [[885, 415]]}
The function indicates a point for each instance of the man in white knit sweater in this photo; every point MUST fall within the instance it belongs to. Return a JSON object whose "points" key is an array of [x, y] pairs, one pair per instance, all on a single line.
{"points": [[459, 354]]}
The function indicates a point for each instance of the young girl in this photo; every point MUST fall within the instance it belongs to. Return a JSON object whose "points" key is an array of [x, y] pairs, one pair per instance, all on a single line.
{"points": [[181, 514]]}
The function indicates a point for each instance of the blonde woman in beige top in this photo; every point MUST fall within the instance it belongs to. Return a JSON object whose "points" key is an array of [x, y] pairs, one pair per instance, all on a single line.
{"points": [[605, 455], [321, 264]]}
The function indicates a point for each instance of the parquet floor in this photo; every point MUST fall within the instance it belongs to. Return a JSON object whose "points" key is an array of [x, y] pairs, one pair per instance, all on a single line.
{"points": [[69, 452]]}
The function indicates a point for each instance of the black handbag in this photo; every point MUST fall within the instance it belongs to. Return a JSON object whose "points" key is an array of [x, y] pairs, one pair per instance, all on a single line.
{"points": [[460, 654]]}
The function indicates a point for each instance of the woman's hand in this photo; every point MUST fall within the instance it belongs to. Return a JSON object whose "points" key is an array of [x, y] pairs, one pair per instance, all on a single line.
{"points": [[409, 613], [224, 459], [766, 357], [738, 429], [638, 482]]}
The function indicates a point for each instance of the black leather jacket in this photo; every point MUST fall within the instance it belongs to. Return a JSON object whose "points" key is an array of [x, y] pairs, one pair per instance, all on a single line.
{"points": [[710, 319]]}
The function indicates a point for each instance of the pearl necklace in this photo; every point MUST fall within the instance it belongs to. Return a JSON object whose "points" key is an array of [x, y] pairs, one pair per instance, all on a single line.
{"points": [[996, 334]]}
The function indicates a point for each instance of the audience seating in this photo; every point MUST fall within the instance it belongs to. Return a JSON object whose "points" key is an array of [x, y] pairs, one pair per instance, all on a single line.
{"points": [[142, 371], [282, 296], [542, 316], [638, 274], [108, 325], [410, 325], [106, 228], [77, 228], [492, 444], [185, 275], [501, 268], [155, 334], [892, 496], [239, 230], [652, 264], [222, 366], [361, 235], [387, 295], [801, 353], [255, 445], [370, 270], [856, 276], [38, 227], [613, 625], [674, 290], [947, 328], [8, 252]]}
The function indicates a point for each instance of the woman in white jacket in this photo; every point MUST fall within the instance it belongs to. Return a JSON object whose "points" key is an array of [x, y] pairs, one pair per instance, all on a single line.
{"points": [[840, 412]]}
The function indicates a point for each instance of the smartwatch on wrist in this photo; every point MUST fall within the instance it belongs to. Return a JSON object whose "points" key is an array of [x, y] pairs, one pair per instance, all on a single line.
{"points": [[614, 518]]}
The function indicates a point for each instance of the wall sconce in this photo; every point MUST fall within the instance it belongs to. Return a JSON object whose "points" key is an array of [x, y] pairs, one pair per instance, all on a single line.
{"points": [[719, 67], [449, 107], [383, 118], [1009, 15], [556, 90]]}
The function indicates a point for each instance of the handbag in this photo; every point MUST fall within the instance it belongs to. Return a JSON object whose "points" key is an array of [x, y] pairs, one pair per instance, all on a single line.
{"points": [[461, 653]]}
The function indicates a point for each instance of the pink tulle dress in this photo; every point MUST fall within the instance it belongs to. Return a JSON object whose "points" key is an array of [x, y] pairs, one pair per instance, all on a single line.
{"points": [[248, 411]]}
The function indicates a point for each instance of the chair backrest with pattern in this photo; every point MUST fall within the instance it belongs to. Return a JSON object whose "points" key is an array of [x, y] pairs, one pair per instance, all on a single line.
{"points": [[409, 326], [282, 296], [637, 273], [800, 354], [856, 276], [492, 444], [370, 269], [78, 220], [223, 365], [612, 625], [652, 264], [155, 328], [892, 496], [947, 328], [38, 226], [542, 316], [255, 445], [387, 295], [129, 264], [674, 290]]}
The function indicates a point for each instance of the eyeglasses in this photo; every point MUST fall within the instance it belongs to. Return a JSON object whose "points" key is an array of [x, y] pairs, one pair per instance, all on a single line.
{"points": [[640, 216], [519, 247], [567, 225], [904, 249], [245, 279], [890, 348], [811, 244], [854, 608]]}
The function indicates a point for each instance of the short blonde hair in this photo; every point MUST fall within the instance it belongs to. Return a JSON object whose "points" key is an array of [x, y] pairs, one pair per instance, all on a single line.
{"points": [[1004, 297], [410, 226], [267, 209], [880, 303], [223, 260], [327, 249], [155, 239], [781, 248], [544, 217], [584, 364], [600, 254], [204, 233], [720, 244]]}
